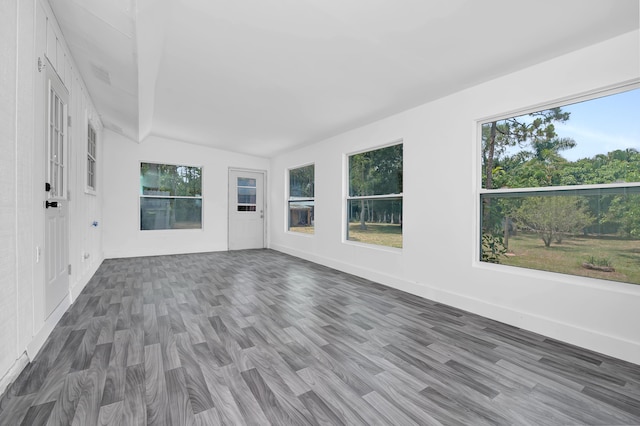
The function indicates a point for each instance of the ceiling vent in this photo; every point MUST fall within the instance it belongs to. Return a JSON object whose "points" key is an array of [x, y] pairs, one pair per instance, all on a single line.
{"points": [[101, 74]]}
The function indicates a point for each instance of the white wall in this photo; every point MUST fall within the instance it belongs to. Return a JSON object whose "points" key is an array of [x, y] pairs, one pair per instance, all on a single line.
{"points": [[28, 31], [440, 205], [122, 235], [8, 210]]}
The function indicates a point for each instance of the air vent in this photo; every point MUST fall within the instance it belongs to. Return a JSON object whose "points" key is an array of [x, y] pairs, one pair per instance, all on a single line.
{"points": [[113, 127], [101, 73]]}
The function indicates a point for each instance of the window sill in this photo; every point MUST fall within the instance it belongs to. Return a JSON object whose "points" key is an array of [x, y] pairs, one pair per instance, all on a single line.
{"points": [[373, 246], [301, 234], [581, 281]]}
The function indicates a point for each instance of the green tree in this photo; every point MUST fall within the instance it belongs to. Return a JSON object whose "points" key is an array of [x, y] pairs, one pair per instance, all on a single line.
{"points": [[301, 181], [553, 217], [535, 131], [625, 211], [377, 172]]}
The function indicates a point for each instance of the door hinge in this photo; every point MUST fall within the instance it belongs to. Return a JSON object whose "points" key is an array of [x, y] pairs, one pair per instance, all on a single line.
{"points": [[69, 120], [41, 64], [69, 269]]}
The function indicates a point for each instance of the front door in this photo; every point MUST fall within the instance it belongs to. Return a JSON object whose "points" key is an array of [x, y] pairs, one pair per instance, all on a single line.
{"points": [[56, 250], [246, 209]]}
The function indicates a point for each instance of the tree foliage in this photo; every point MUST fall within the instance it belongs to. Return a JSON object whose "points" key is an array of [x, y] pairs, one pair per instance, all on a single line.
{"points": [[170, 180], [535, 131], [302, 182], [493, 248], [626, 212], [526, 152], [377, 172], [161, 184], [553, 217]]}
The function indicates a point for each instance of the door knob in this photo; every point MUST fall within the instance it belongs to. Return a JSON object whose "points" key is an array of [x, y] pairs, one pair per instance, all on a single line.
{"points": [[48, 204]]}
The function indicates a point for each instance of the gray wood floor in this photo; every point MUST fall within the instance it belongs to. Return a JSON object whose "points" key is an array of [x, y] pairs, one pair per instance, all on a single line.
{"points": [[259, 337]]}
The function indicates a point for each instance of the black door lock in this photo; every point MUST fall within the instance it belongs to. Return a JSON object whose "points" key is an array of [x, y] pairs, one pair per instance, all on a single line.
{"points": [[47, 186], [48, 204]]}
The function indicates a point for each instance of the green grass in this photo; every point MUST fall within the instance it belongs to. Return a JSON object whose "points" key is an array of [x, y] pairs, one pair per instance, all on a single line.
{"points": [[528, 251], [302, 229], [383, 234]]}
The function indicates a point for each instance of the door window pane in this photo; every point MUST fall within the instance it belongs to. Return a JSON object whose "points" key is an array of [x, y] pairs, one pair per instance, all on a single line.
{"points": [[246, 182], [246, 195]]}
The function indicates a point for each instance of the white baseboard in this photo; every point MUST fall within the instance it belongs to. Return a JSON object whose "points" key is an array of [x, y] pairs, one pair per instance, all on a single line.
{"points": [[162, 251], [38, 340], [570, 333], [41, 336], [84, 280], [13, 372]]}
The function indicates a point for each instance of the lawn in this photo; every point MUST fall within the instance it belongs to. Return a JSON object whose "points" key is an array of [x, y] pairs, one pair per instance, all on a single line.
{"points": [[384, 234], [305, 229], [528, 251]]}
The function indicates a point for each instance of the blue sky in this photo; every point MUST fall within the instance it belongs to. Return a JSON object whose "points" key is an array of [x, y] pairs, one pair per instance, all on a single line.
{"points": [[602, 125]]}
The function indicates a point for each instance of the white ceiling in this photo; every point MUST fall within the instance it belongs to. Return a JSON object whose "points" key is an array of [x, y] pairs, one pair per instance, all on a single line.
{"points": [[263, 76]]}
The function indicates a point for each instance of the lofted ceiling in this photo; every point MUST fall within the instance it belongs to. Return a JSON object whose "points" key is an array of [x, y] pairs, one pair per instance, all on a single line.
{"points": [[264, 76]]}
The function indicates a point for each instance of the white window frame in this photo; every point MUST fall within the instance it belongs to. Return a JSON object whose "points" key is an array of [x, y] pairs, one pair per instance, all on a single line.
{"points": [[477, 253], [175, 197], [347, 197], [289, 199], [91, 158]]}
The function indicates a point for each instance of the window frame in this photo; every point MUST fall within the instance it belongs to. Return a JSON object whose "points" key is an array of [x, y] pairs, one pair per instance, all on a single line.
{"points": [[347, 197], [300, 199], [540, 191], [173, 197], [91, 189]]}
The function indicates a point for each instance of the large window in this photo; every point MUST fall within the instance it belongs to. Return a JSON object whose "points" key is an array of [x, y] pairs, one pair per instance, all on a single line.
{"points": [[170, 196], [374, 203], [301, 201], [91, 158], [561, 189]]}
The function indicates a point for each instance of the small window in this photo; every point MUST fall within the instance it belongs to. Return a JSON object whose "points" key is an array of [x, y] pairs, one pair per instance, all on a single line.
{"points": [[301, 201], [91, 158], [170, 197], [247, 194], [560, 189], [374, 203]]}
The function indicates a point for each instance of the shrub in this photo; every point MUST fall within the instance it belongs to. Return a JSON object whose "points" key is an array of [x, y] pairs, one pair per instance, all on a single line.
{"points": [[492, 248]]}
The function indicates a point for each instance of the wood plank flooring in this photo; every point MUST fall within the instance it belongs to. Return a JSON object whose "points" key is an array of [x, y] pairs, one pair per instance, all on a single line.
{"points": [[258, 337]]}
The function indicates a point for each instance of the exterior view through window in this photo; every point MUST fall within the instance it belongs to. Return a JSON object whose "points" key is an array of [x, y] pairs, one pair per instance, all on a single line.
{"points": [[561, 189], [374, 204], [170, 197], [91, 158], [301, 199]]}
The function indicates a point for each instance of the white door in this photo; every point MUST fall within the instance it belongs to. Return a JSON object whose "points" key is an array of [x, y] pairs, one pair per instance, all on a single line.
{"points": [[56, 245], [246, 209]]}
